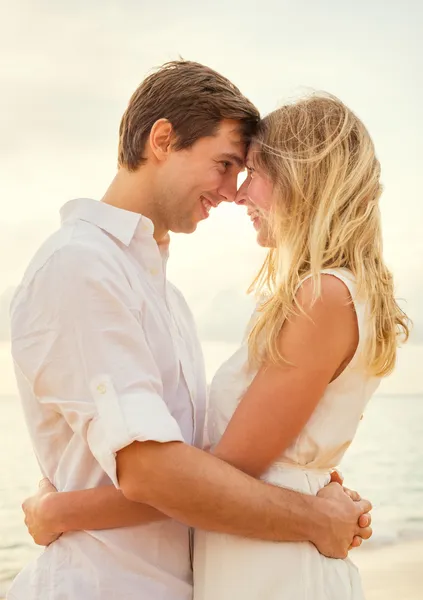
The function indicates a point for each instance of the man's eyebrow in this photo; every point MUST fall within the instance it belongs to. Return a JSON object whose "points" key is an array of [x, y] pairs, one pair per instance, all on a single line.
{"points": [[240, 162]]}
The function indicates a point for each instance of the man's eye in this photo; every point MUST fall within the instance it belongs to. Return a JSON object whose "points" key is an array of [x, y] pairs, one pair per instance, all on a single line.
{"points": [[226, 164]]}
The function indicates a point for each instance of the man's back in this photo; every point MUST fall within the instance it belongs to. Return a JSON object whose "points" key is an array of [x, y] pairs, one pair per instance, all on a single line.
{"points": [[105, 353]]}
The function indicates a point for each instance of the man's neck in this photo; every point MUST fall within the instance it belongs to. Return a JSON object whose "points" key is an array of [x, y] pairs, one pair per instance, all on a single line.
{"points": [[134, 192]]}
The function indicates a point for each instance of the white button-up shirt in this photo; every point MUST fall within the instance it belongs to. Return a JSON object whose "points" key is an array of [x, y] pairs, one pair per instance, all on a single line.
{"points": [[106, 353]]}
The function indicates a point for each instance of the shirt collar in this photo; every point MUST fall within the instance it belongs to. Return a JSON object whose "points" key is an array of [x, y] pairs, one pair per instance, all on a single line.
{"points": [[121, 224]]}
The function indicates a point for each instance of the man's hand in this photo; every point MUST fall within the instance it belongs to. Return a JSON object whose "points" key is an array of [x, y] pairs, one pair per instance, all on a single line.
{"points": [[365, 520], [35, 520], [347, 522]]}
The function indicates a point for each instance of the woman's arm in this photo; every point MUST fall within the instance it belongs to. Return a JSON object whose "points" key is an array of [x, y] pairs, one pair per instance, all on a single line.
{"points": [[282, 398], [48, 513]]}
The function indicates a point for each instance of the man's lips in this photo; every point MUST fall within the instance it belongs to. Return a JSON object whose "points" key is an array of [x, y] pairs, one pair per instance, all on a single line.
{"points": [[208, 204]]}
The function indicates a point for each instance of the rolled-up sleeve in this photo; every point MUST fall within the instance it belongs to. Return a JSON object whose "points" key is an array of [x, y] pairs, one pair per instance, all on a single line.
{"points": [[78, 338]]}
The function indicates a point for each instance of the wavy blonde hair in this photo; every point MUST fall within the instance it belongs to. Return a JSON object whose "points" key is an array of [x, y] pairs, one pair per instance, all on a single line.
{"points": [[326, 215]]}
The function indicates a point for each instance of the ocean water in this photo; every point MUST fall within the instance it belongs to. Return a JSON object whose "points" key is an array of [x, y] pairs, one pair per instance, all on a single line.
{"points": [[384, 463]]}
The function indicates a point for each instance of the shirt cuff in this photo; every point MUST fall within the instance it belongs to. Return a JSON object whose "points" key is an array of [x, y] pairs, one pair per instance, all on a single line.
{"points": [[121, 420]]}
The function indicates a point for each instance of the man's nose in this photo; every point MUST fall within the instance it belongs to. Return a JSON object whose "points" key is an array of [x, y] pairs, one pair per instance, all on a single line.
{"points": [[228, 190]]}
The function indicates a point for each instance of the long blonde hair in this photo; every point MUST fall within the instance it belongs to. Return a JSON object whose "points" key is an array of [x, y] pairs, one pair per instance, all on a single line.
{"points": [[322, 163]]}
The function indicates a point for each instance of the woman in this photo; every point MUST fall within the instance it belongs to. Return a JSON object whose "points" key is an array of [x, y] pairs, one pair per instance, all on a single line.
{"points": [[286, 406]]}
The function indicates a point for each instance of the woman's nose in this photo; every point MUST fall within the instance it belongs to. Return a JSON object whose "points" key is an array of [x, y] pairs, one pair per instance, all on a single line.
{"points": [[241, 195]]}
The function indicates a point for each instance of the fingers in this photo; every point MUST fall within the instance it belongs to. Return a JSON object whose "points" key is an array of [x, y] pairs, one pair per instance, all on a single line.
{"points": [[364, 506], [356, 543], [365, 533], [337, 477], [365, 520], [352, 494]]}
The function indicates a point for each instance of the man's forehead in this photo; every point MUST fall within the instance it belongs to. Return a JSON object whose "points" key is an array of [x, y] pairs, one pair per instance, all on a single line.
{"points": [[232, 143], [233, 131]]}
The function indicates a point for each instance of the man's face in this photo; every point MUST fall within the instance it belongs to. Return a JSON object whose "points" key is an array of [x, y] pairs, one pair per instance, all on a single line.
{"points": [[199, 178]]}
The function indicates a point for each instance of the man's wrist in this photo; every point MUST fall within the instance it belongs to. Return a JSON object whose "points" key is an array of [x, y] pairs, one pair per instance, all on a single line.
{"points": [[316, 519]]}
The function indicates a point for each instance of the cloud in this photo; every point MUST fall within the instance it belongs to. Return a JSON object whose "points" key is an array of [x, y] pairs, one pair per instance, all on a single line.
{"points": [[20, 243], [413, 310], [416, 336]]}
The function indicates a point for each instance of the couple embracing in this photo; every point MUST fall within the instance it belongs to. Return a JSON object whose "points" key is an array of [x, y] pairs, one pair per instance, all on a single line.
{"points": [[136, 503]]}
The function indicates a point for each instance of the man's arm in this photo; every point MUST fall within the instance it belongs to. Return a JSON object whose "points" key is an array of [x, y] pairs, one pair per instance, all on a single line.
{"points": [[49, 513], [202, 491]]}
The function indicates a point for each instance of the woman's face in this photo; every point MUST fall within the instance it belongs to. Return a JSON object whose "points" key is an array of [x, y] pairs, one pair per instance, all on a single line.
{"points": [[256, 193]]}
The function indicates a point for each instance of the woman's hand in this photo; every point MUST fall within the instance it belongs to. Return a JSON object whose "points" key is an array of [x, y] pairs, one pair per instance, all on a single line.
{"points": [[35, 520]]}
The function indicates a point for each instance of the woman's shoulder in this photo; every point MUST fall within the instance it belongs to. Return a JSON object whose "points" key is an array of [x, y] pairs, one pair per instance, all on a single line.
{"points": [[331, 307], [336, 285]]}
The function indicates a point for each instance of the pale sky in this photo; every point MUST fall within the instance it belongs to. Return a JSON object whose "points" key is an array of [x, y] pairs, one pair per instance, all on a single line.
{"points": [[67, 70]]}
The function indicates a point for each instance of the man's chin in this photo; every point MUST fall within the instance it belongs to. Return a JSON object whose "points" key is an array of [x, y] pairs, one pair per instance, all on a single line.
{"points": [[186, 228], [192, 228]]}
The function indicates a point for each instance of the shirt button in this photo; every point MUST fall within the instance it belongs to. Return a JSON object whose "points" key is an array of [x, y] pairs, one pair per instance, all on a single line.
{"points": [[154, 271], [101, 388]]}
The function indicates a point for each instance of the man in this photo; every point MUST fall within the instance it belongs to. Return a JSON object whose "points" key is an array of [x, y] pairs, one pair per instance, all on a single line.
{"points": [[110, 370]]}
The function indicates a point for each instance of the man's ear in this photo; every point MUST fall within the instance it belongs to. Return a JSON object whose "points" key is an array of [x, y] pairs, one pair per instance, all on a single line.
{"points": [[160, 139]]}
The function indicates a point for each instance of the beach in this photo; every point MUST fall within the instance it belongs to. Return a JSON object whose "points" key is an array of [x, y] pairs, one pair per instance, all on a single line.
{"points": [[391, 572]]}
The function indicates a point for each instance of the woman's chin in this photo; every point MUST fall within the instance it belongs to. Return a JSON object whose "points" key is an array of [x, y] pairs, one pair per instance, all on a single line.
{"points": [[264, 240], [261, 242]]}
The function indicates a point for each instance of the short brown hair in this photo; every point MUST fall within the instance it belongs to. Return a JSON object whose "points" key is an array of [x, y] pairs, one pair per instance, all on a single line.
{"points": [[193, 97]]}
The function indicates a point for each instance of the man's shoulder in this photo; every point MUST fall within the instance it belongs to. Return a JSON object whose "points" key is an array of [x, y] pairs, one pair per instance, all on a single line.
{"points": [[66, 253]]}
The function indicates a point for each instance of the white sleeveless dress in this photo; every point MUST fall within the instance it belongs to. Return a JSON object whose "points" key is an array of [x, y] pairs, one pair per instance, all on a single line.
{"points": [[228, 567]]}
